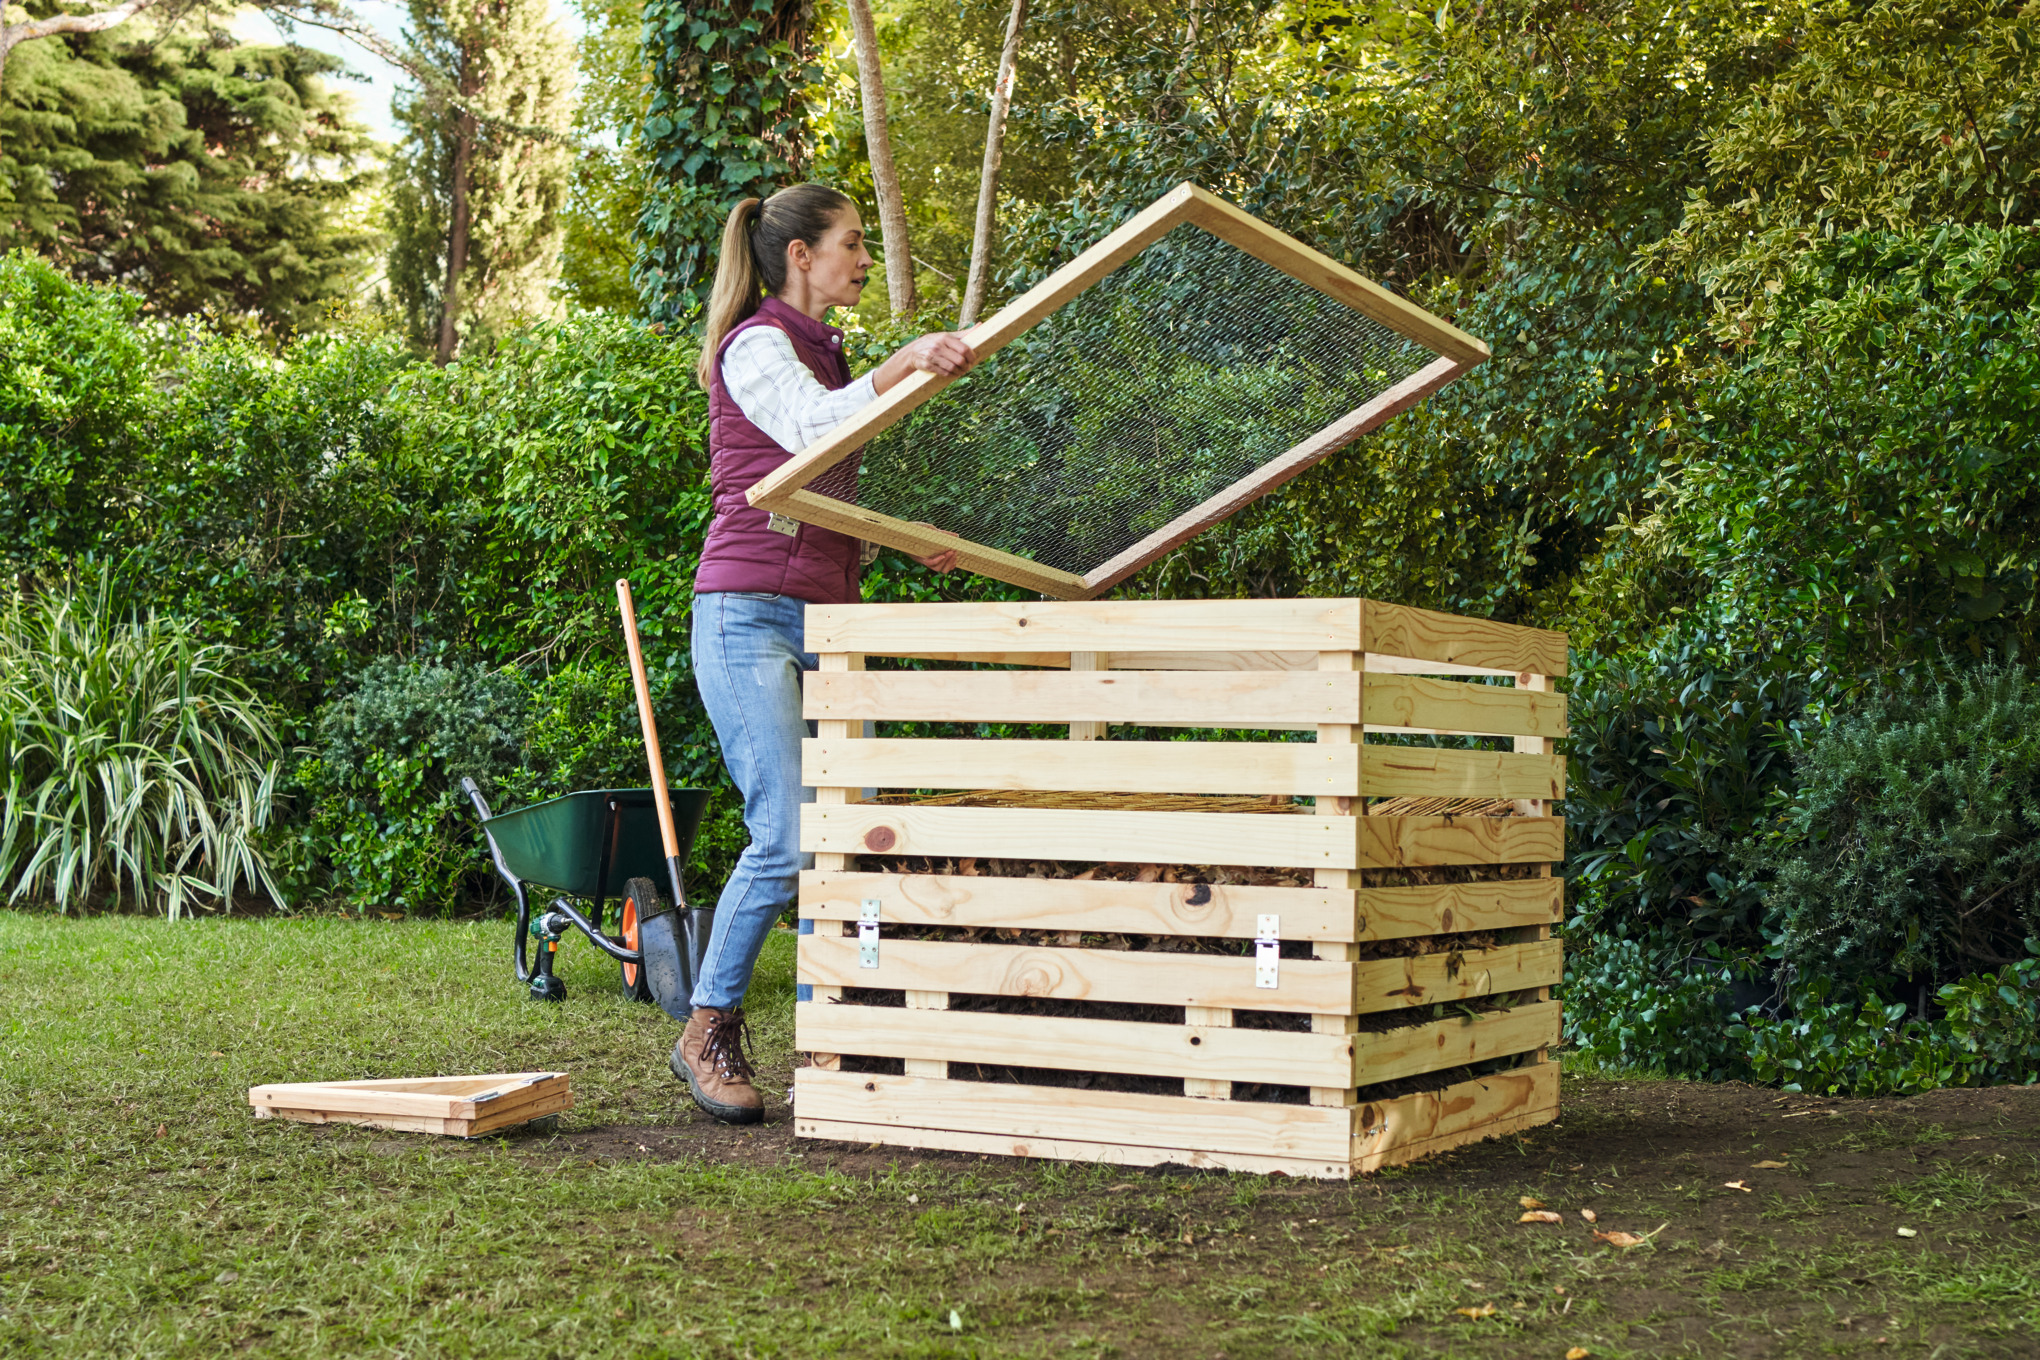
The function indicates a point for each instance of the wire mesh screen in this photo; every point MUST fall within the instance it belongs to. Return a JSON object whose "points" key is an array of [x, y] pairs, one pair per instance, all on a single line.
{"points": [[1181, 372]]}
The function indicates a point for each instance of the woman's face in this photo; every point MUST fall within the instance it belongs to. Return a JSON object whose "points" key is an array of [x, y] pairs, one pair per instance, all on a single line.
{"points": [[835, 266]]}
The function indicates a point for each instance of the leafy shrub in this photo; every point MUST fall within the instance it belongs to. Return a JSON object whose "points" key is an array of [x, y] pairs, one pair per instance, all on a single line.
{"points": [[388, 821], [1653, 1004], [1912, 848], [1676, 752], [134, 764], [1988, 1034]]}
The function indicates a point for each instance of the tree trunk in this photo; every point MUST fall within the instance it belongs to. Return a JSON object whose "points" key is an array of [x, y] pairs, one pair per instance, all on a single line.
{"points": [[988, 181], [456, 239], [892, 211]]}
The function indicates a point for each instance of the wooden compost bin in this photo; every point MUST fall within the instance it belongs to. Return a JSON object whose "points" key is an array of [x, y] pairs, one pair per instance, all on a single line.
{"points": [[1314, 957]]}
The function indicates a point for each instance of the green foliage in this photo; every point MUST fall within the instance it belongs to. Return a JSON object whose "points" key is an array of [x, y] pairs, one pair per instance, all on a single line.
{"points": [[1988, 1035], [74, 372], [610, 173], [215, 177], [1867, 474], [1652, 1003], [1677, 754], [1912, 848], [494, 169], [133, 765], [726, 120], [1889, 116]]}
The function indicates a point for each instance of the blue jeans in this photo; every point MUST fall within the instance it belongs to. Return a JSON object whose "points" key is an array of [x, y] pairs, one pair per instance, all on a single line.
{"points": [[748, 662]]}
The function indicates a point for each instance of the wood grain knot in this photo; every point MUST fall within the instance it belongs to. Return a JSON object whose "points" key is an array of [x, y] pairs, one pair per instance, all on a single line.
{"points": [[881, 839]]}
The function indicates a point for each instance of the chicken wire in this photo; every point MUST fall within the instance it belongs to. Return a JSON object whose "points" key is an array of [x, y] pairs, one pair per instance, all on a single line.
{"points": [[1186, 369]]}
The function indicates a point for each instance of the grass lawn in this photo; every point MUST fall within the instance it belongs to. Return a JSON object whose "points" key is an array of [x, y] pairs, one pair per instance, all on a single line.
{"points": [[144, 1212]]}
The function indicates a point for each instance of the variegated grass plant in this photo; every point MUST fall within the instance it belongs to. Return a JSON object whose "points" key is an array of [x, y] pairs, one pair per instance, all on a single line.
{"points": [[134, 769]]}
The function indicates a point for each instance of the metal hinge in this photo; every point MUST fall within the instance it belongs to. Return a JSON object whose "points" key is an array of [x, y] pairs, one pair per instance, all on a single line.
{"points": [[867, 934], [1267, 951]]}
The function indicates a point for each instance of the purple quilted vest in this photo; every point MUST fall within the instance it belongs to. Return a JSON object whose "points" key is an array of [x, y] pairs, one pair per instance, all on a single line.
{"points": [[743, 551]]}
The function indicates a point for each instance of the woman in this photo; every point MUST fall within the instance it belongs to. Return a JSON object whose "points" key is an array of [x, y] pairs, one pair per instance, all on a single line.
{"points": [[777, 380]]}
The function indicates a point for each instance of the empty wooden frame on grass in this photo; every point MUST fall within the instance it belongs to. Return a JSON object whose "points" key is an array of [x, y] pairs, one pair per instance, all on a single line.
{"points": [[791, 490], [462, 1107]]}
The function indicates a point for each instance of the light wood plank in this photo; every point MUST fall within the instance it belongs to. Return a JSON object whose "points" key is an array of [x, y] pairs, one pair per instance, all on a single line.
{"points": [[1272, 839], [1276, 472], [1065, 1149], [1426, 979], [1115, 626], [987, 338], [1431, 772], [1411, 703], [844, 517], [1443, 908], [1451, 1042], [1060, 1112], [1328, 276], [1206, 909], [1204, 1049], [1427, 635], [1089, 729], [1208, 1017], [1461, 1113], [1228, 767], [1405, 842], [1212, 699], [1152, 978]]}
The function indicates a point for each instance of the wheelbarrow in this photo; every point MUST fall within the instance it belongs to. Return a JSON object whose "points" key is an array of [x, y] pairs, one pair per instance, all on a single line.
{"points": [[599, 844]]}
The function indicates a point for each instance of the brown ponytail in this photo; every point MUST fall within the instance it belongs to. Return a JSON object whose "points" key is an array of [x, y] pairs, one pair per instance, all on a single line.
{"points": [[752, 265]]}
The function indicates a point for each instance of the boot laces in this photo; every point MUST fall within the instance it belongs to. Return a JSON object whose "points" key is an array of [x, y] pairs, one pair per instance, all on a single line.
{"points": [[723, 1046]]}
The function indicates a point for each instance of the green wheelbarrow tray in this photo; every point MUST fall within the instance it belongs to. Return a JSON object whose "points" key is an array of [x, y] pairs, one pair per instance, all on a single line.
{"points": [[559, 844]]}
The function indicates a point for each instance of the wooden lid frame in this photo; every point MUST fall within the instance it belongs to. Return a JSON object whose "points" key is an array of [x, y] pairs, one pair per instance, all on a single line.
{"points": [[785, 489]]}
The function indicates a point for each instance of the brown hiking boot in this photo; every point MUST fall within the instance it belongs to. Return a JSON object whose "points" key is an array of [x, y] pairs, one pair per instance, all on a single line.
{"points": [[710, 1059]]}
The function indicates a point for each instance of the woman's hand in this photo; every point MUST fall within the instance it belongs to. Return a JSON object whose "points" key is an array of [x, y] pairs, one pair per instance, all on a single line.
{"points": [[944, 562], [945, 353]]}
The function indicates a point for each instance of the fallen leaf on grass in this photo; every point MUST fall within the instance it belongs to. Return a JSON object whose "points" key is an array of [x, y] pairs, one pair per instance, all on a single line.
{"points": [[1528, 1203], [391, 915], [955, 1321], [1578, 1353], [1743, 1186], [1540, 1216], [1485, 1310], [1590, 1216], [162, 1130], [1115, 1189], [1908, 1232], [913, 1199], [1767, 1166], [1618, 1238]]}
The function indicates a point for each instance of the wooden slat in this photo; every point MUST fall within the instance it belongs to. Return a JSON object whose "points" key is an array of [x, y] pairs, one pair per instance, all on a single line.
{"points": [[859, 522], [1410, 703], [1328, 276], [1427, 635], [1271, 839], [1276, 472], [1431, 772], [1066, 1149], [1410, 1126], [987, 338], [1234, 767], [1062, 1112], [1080, 1045], [1116, 626], [1066, 904], [1147, 977], [1426, 979], [1442, 908], [1408, 842], [1228, 699], [1451, 1042]]}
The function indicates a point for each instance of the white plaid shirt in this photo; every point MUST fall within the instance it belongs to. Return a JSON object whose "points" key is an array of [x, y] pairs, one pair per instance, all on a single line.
{"points": [[780, 395]]}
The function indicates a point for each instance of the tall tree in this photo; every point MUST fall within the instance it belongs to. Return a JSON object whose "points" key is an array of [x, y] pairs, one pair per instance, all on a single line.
{"points": [[608, 192], [477, 187], [988, 177], [885, 178], [211, 176]]}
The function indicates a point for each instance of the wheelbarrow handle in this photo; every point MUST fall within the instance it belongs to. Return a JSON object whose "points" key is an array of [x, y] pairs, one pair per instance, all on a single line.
{"points": [[653, 759]]}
